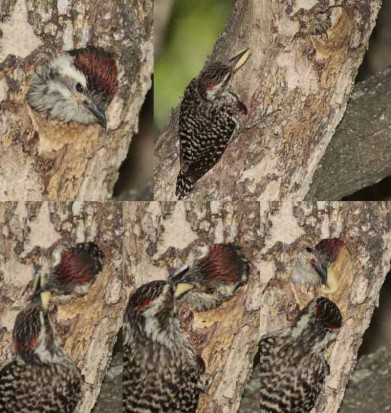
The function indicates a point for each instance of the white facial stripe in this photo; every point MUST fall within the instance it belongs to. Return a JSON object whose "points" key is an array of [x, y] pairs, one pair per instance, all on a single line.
{"points": [[153, 308], [301, 325], [57, 255], [64, 65], [58, 356], [60, 88]]}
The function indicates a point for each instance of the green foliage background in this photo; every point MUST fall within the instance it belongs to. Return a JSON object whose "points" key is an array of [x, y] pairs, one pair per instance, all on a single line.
{"points": [[189, 38]]}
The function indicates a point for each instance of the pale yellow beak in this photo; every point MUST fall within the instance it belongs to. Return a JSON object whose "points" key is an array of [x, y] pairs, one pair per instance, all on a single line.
{"points": [[45, 300], [182, 288], [332, 283], [240, 59]]}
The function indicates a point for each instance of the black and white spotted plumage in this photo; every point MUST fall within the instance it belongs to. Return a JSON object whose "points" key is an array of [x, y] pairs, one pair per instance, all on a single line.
{"points": [[161, 372], [41, 378], [292, 361], [209, 119]]}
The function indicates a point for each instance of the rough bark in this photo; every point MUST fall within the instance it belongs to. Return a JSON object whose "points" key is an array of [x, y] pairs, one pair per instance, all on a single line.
{"points": [[88, 325], [158, 240], [307, 77], [367, 391], [359, 154], [365, 229], [41, 159]]}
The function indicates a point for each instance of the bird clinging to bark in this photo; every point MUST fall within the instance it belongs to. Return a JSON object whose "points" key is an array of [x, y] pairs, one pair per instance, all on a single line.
{"points": [[74, 273], [292, 361], [42, 378], [76, 86], [216, 276], [209, 119], [161, 372]]}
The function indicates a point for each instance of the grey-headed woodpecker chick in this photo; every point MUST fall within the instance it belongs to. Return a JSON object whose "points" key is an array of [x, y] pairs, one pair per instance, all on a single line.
{"points": [[42, 378], [292, 361], [161, 372], [317, 266], [76, 86], [74, 273], [209, 119], [216, 276]]}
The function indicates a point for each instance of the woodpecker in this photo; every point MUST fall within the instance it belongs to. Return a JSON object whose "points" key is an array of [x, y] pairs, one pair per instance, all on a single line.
{"points": [[161, 372], [316, 266], [75, 272], [216, 276], [76, 86], [292, 360], [209, 119], [42, 378]]}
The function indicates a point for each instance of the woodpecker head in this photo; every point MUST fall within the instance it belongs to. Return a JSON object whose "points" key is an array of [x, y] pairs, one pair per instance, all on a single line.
{"points": [[216, 276], [324, 254], [77, 86], [75, 272], [317, 324], [34, 339], [151, 309], [214, 79], [315, 265]]}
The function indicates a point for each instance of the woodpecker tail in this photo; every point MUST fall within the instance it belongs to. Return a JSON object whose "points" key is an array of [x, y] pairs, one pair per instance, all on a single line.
{"points": [[184, 185]]}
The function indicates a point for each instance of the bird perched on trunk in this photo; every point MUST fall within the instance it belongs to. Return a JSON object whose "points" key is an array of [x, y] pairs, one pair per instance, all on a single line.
{"points": [[76, 86], [216, 276], [161, 372], [42, 378], [209, 119], [292, 360], [74, 273]]}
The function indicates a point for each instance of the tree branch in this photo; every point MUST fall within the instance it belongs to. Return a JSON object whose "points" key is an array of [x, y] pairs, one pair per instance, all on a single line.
{"points": [[366, 391], [359, 154]]}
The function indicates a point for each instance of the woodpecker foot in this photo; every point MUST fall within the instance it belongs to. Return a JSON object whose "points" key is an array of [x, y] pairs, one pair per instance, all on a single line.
{"points": [[262, 119], [204, 383]]}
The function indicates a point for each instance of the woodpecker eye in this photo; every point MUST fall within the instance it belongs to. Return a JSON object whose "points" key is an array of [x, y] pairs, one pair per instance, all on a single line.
{"points": [[79, 87]]}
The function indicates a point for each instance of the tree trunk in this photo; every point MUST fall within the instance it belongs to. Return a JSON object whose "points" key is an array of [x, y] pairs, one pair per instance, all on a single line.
{"points": [[307, 77], [365, 229], [158, 240], [88, 325], [44, 159]]}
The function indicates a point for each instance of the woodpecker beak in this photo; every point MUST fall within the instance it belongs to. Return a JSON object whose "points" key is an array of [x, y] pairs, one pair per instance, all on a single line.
{"points": [[182, 288], [239, 60], [332, 283], [44, 296], [45, 300], [98, 110]]}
